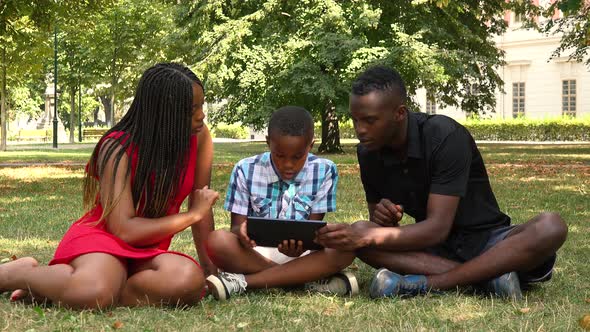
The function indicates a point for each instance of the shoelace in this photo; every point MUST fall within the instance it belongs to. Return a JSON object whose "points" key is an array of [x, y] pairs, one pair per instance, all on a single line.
{"points": [[412, 286], [235, 282], [318, 284]]}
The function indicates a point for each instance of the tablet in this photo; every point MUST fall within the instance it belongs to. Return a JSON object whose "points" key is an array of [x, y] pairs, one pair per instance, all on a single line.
{"points": [[271, 232]]}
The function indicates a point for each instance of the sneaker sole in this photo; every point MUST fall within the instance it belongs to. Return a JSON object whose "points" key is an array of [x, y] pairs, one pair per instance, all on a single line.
{"points": [[351, 282], [215, 285]]}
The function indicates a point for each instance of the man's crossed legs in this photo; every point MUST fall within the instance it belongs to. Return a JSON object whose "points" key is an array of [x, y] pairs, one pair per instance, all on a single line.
{"points": [[524, 251]]}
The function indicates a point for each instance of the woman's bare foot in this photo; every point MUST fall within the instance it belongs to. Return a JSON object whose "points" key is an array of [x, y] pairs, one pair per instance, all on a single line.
{"points": [[9, 270], [21, 295]]}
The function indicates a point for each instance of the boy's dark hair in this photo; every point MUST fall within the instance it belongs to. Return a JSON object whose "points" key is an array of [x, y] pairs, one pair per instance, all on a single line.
{"points": [[379, 78], [291, 121], [157, 127]]}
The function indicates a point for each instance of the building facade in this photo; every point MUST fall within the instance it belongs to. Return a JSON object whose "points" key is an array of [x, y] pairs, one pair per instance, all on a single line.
{"points": [[535, 86]]}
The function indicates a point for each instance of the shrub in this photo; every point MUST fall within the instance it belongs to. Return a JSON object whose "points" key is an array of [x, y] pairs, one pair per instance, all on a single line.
{"points": [[558, 129], [346, 129], [236, 131]]}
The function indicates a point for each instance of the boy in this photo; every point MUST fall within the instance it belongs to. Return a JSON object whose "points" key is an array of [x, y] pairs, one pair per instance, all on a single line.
{"points": [[287, 183]]}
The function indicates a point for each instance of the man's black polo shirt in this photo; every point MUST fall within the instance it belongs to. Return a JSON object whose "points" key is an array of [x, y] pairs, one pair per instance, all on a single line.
{"points": [[442, 158]]}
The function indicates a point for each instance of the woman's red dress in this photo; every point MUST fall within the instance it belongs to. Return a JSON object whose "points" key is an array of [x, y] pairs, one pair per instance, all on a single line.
{"points": [[87, 235]]}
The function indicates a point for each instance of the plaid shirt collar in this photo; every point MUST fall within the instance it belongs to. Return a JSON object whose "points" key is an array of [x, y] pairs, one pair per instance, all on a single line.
{"points": [[271, 173]]}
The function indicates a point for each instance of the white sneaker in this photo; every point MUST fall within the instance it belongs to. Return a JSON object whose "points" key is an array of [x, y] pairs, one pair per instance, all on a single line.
{"points": [[342, 283], [226, 284]]}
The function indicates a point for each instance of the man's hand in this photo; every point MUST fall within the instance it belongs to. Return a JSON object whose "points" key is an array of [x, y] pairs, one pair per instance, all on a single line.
{"points": [[291, 248], [387, 214], [242, 234], [339, 236]]}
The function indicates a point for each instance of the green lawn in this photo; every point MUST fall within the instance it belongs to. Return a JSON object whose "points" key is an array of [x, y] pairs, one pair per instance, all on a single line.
{"points": [[229, 153], [37, 204]]}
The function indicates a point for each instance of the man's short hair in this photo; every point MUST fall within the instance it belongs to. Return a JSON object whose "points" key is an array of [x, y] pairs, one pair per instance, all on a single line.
{"points": [[379, 78], [291, 121]]}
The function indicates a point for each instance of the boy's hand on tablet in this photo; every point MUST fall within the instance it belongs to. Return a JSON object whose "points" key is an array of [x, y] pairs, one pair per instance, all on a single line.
{"points": [[241, 232], [387, 214], [291, 248]]}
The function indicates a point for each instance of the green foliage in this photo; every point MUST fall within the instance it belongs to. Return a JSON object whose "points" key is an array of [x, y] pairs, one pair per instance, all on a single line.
{"points": [[38, 204], [23, 100], [25, 27], [263, 54], [115, 46], [346, 130], [89, 104], [573, 26], [224, 130], [560, 129]]}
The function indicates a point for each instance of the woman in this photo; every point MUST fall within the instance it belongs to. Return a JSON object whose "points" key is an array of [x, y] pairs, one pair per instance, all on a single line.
{"points": [[136, 180]]}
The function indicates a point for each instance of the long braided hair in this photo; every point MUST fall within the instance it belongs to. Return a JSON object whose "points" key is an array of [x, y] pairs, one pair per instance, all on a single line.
{"points": [[157, 127]]}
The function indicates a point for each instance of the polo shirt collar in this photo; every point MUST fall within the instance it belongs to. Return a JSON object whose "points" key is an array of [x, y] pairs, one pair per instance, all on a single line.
{"points": [[272, 174]]}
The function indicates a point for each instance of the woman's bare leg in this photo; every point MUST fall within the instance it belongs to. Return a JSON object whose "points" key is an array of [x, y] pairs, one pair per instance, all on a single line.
{"points": [[166, 279], [90, 281]]}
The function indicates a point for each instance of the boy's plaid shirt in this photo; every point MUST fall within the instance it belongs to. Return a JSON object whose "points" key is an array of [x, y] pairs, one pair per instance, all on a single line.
{"points": [[255, 189]]}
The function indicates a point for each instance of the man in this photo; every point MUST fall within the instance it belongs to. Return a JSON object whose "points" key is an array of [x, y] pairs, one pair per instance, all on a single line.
{"points": [[429, 167]]}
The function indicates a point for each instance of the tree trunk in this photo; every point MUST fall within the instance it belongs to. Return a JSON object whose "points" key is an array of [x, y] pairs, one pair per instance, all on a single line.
{"points": [[111, 121], [106, 103], [95, 115], [72, 115], [3, 117], [330, 130]]}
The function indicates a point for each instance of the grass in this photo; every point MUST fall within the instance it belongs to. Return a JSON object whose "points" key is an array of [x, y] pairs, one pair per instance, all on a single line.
{"points": [[37, 205], [229, 153]]}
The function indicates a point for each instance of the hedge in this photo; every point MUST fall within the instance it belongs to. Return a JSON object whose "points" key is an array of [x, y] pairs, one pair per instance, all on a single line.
{"points": [[558, 129], [346, 130], [230, 131]]}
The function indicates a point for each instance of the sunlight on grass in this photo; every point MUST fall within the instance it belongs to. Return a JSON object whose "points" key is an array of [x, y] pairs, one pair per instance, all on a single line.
{"points": [[38, 204], [25, 246], [571, 188], [463, 311], [29, 174]]}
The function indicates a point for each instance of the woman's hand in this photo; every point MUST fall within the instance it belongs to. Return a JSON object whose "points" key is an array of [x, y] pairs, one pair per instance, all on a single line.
{"points": [[203, 200]]}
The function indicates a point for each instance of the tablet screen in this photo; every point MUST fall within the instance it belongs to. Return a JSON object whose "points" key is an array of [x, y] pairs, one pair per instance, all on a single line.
{"points": [[271, 232]]}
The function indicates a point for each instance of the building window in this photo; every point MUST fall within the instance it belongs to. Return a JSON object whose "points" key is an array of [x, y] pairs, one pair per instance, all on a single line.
{"points": [[430, 103], [568, 97], [517, 99], [518, 15]]}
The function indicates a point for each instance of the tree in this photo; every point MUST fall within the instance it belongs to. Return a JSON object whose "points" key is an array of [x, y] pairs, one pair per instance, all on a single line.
{"points": [[259, 55], [78, 64], [573, 25], [24, 40], [128, 37], [22, 47]]}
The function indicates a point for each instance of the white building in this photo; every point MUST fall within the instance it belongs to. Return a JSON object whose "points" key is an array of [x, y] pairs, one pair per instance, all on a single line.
{"points": [[535, 87]]}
